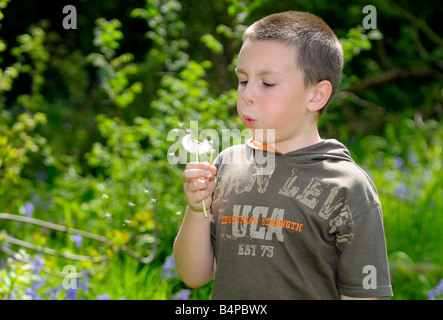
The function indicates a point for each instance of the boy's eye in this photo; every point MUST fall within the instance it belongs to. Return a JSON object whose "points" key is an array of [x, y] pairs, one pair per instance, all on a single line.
{"points": [[243, 82], [269, 84]]}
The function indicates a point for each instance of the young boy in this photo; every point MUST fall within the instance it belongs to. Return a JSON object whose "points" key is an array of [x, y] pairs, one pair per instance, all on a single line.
{"points": [[309, 228]]}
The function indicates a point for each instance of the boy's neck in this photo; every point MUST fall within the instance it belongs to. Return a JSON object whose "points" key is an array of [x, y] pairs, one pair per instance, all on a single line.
{"points": [[299, 142]]}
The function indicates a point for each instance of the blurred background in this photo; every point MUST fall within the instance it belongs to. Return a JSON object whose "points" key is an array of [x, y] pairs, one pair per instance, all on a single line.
{"points": [[90, 204]]}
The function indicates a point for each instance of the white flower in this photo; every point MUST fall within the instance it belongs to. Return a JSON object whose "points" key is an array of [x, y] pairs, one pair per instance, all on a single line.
{"points": [[196, 147]]}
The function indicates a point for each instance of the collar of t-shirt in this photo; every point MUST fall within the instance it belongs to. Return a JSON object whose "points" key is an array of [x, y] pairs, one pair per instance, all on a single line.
{"points": [[260, 146]]}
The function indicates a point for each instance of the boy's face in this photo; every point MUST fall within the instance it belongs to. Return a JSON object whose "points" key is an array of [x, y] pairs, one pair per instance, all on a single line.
{"points": [[271, 92]]}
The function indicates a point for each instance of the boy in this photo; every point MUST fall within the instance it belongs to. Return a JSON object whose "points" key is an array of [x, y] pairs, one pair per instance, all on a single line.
{"points": [[309, 228]]}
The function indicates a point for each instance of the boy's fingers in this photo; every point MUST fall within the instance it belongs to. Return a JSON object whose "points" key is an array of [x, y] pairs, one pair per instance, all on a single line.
{"points": [[198, 165], [190, 174], [197, 184]]}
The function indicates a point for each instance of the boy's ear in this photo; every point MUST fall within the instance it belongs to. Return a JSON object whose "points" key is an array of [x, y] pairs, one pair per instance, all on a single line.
{"points": [[320, 95]]}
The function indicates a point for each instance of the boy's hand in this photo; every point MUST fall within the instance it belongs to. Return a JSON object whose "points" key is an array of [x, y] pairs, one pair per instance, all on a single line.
{"points": [[198, 184]]}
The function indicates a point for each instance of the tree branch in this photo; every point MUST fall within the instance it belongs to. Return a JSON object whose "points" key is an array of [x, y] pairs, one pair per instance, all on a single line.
{"points": [[419, 23], [70, 256], [389, 76], [53, 226]]}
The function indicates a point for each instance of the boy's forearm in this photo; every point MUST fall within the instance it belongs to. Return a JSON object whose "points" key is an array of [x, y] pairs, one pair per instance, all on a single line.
{"points": [[193, 253]]}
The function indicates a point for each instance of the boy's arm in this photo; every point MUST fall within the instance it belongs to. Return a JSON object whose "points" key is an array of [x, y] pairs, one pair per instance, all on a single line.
{"points": [[193, 252]]}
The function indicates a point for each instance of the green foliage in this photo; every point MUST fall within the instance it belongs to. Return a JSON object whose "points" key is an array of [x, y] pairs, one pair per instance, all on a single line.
{"points": [[15, 145], [114, 71]]}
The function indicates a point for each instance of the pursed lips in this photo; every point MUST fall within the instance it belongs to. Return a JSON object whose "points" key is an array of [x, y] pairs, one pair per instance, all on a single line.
{"points": [[248, 120]]}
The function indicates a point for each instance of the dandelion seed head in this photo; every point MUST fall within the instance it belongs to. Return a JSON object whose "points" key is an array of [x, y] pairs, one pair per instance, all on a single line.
{"points": [[194, 146]]}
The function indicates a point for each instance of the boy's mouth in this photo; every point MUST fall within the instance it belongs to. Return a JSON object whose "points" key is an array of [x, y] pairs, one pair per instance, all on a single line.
{"points": [[248, 121]]}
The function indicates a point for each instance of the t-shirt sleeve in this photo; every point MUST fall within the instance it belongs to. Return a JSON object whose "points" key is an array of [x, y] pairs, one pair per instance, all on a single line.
{"points": [[362, 266]]}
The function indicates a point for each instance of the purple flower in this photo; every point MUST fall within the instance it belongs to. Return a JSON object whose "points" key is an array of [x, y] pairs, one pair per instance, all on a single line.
{"points": [[437, 292], [53, 292], [77, 239], [27, 209], [104, 296], [398, 162], [412, 158], [41, 176], [33, 293], [83, 285], [71, 294], [402, 191], [168, 270], [182, 295], [389, 175], [38, 284], [37, 263]]}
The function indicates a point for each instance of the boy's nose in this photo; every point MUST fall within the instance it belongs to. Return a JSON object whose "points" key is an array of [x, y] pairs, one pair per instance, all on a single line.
{"points": [[249, 101], [248, 98]]}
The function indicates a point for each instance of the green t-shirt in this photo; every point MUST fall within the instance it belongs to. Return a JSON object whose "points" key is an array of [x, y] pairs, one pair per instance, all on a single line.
{"points": [[302, 225]]}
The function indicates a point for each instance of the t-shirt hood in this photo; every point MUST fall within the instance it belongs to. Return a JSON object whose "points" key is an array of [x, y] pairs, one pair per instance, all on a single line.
{"points": [[329, 149]]}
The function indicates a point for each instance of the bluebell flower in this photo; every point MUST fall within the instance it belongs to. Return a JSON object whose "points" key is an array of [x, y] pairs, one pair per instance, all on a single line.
{"points": [[41, 176], [168, 270], [27, 209], [389, 175], [83, 285], [71, 294], [402, 191], [37, 264], [412, 158], [77, 239], [437, 292], [182, 295], [33, 294], [38, 284], [104, 296], [52, 292], [398, 162]]}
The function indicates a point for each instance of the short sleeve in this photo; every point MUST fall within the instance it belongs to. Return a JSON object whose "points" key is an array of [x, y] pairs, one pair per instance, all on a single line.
{"points": [[362, 266]]}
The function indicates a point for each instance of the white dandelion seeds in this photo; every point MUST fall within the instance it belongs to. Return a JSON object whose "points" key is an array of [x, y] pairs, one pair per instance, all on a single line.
{"points": [[196, 147]]}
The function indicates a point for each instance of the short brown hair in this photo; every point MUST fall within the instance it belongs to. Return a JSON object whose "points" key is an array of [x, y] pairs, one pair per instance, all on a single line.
{"points": [[319, 53]]}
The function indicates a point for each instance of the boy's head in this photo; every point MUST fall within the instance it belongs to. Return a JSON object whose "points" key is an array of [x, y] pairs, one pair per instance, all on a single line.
{"points": [[318, 53]]}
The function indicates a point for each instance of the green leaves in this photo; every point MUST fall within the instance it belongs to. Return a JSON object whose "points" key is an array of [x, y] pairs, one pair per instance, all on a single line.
{"points": [[16, 142], [114, 71], [354, 42]]}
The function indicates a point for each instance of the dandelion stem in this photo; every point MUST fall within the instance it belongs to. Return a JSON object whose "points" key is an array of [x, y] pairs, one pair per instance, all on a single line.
{"points": [[203, 201]]}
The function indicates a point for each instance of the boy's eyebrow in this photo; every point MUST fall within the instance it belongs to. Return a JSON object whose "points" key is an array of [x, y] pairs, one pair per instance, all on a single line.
{"points": [[259, 72]]}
